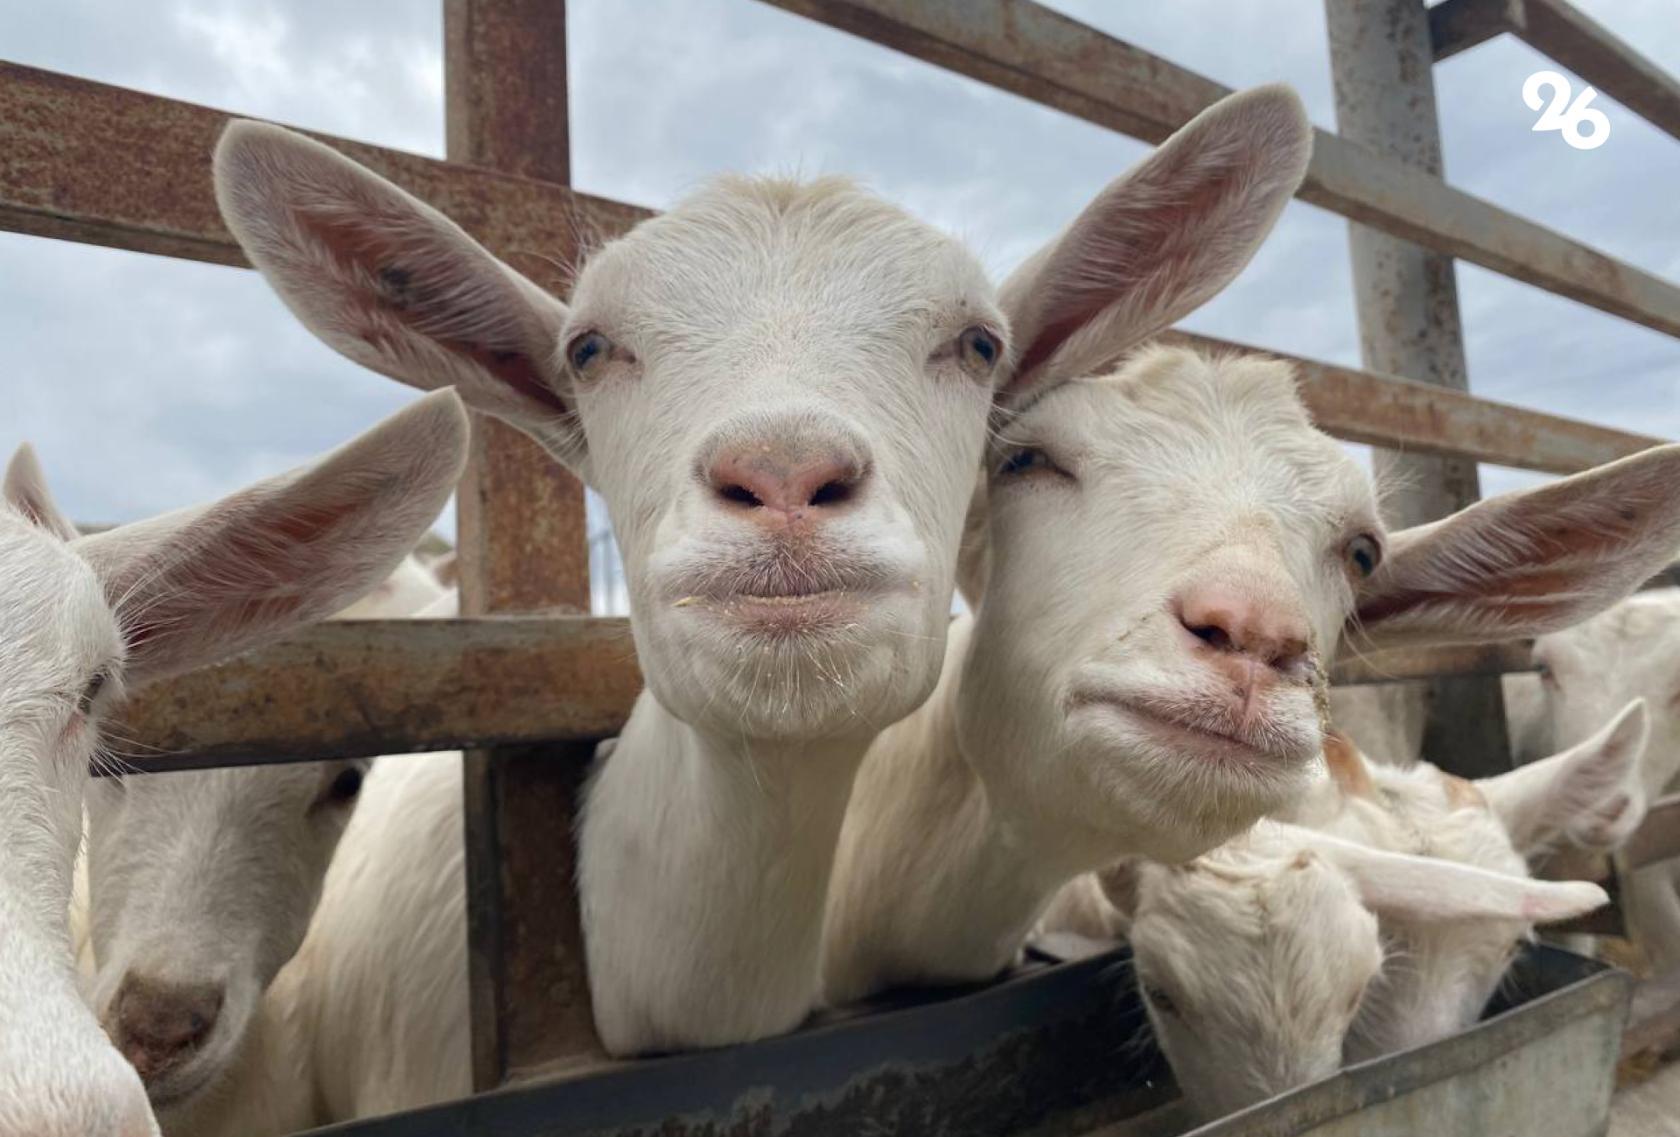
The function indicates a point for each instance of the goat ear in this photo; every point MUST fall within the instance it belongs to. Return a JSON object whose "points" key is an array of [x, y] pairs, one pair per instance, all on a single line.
{"points": [[26, 491], [393, 284], [1590, 794], [1526, 563], [1158, 242], [202, 584], [1426, 888]]}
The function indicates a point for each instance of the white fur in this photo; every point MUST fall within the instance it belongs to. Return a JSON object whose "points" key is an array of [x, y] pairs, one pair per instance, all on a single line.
{"points": [[1442, 972], [80, 618], [388, 1012], [1022, 772], [1631, 651], [59, 1077], [755, 318], [1036, 760], [223, 902], [1253, 960]]}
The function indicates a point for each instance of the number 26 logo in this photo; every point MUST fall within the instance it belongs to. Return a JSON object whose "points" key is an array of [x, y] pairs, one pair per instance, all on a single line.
{"points": [[1562, 115]]}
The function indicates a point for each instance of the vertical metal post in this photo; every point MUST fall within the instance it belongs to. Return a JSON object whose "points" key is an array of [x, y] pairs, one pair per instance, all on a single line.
{"points": [[523, 547], [1381, 59]]}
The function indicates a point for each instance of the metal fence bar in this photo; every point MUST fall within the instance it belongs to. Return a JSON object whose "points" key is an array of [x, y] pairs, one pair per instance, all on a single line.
{"points": [[1382, 410], [1407, 299], [1031, 51], [392, 686], [1458, 25], [1457, 660], [400, 686], [85, 161], [1574, 40], [523, 547], [86, 182]]}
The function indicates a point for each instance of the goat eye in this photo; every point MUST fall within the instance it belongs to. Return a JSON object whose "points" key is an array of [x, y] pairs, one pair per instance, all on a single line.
{"points": [[1364, 554], [980, 349], [1544, 670], [345, 788], [90, 693], [587, 349], [1024, 460]]}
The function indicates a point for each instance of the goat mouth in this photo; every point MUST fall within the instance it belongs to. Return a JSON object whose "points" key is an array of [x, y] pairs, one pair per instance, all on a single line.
{"points": [[1198, 733], [793, 614], [181, 1083], [786, 593]]}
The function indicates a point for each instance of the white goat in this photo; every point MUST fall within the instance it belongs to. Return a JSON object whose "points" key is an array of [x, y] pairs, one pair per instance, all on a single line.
{"points": [[1253, 959], [216, 912], [384, 968], [82, 619], [781, 391], [1631, 651], [1175, 552], [1443, 973]]}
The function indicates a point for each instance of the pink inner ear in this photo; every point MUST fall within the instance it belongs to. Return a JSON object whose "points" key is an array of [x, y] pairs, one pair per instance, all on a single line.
{"points": [[404, 296], [1153, 251], [32, 513], [1538, 594], [229, 578]]}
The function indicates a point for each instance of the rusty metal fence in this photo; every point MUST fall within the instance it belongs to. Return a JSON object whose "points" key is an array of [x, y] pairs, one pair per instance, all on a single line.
{"points": [[526, 682]]}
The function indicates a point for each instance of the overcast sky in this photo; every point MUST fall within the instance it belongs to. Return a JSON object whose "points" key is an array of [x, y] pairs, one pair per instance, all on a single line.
{"points": [[149, 383]]}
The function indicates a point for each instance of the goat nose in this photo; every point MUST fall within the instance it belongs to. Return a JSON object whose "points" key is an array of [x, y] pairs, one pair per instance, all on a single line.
{"points": [[773, 483], [1238, 621], [158, 1024]]}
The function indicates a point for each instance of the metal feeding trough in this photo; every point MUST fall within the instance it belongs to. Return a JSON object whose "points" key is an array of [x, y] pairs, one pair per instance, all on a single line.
{"points": [[1062, 1050], [1542, 1063]]}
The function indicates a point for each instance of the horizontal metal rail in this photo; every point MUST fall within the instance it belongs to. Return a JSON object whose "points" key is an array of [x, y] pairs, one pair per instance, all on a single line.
{"points": [[1354, 669], [1458, 25], [403, 686], [387, 687], [1562, 32], [1383, 410], [89, 162], [86, 161], [1042, 55]]}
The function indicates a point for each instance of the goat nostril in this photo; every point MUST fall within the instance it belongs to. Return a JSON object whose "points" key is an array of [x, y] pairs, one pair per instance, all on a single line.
{"points": [[831, 493], [740, 495], [1292, 658], [1212, 635]]}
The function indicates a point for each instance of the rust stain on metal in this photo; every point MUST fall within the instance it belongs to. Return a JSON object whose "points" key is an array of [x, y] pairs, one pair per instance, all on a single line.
{"points": [[90, 162], [381, 687], [524, 547], [1383, 410], [1031, 51]]}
